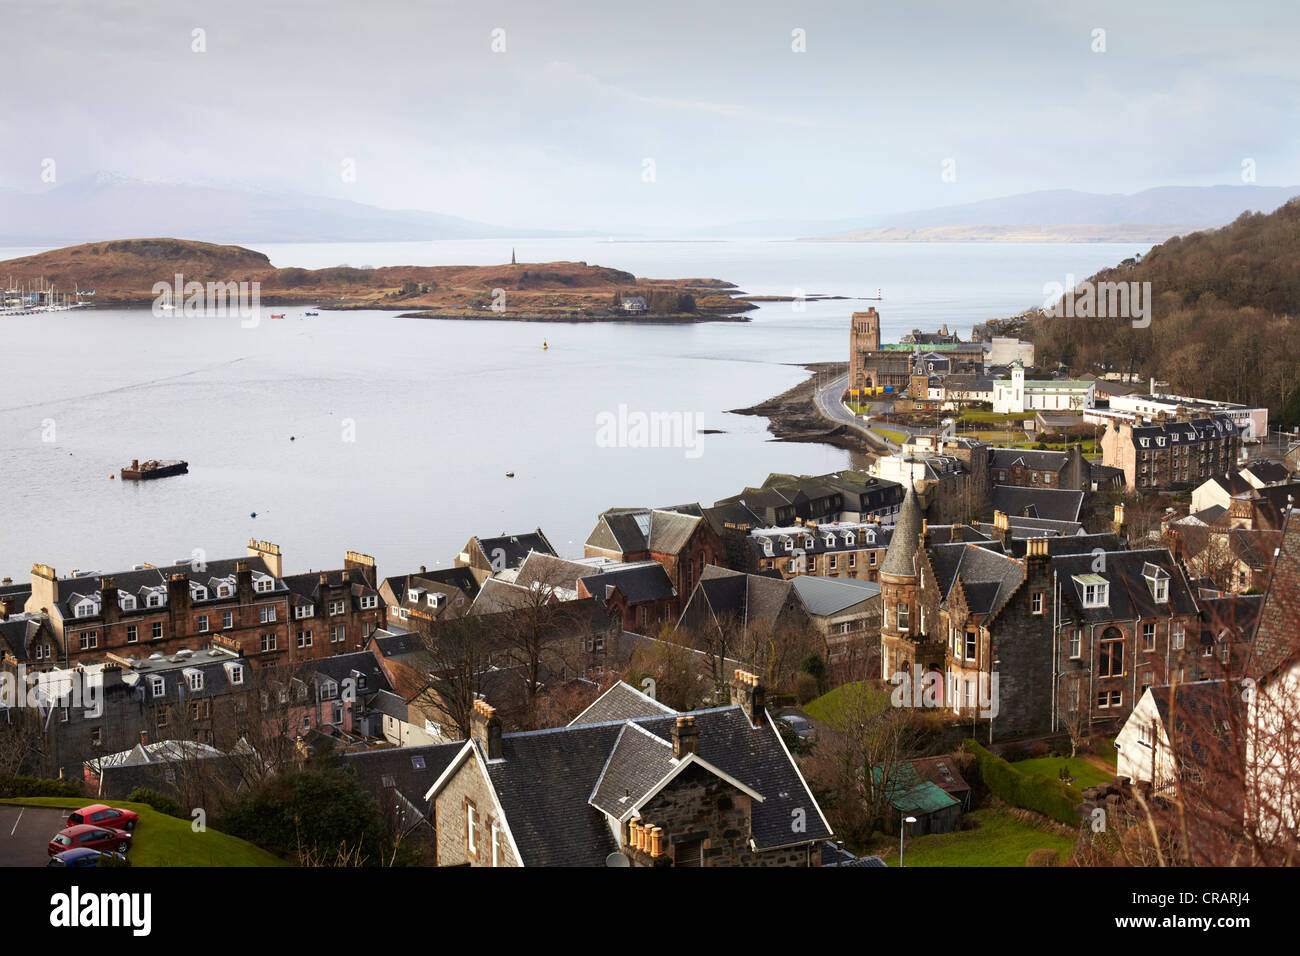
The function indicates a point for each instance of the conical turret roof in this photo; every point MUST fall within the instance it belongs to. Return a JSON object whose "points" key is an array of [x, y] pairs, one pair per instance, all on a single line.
{"points": [[901, 554]]}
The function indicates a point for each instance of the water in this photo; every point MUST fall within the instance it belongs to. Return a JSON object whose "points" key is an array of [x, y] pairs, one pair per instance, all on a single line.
{"points": [[403, 429]]}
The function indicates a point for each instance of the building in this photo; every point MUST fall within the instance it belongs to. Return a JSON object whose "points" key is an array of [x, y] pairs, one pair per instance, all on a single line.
{"points": [[1252, 423], [1055, 504], [707, 788], [870, 366], [683, 543], [1171, 455], [487, 556], [1018, 394], [412, 599], [1041, 469], [838, 549], [1177, 736], [1007, 349], [847, 613]]}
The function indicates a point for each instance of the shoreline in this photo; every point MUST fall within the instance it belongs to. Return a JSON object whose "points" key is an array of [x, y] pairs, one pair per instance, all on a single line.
{"points": [[793, 416]]}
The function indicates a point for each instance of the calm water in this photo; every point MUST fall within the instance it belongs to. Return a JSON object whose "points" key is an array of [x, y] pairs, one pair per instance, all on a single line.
{"points": [[404, 429]]}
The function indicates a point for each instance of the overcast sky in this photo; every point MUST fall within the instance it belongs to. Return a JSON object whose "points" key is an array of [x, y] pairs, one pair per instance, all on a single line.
{"points": [[556, 131]]}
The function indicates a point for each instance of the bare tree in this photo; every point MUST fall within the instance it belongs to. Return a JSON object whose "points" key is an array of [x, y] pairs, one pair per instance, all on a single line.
{"points": [[20, 739], [457, 652]]}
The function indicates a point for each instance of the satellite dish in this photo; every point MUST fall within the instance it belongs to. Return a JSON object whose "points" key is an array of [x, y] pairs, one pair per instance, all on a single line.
{"points": [[617, 859]]}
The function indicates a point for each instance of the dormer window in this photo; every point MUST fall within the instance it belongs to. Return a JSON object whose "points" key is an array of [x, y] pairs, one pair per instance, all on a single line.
{"points": [[85, 608], [329, 690], [849, 538], [303, 610], [224, 590], [126, 601], [198, 592], [264, 584], [157, 686], [195, 680], [789, 545], [1095, 588], [236, 673], [155, 599], [767, 546], [369, 602]]}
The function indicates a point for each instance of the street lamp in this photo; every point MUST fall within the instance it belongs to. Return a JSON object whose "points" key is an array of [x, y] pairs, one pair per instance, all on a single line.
{"points": [[900, 838]]}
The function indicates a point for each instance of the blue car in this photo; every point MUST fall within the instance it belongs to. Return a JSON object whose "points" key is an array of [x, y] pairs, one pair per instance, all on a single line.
{"points": [[81, 856]]}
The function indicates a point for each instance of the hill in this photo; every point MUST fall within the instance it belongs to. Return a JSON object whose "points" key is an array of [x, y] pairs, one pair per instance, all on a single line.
{"points": [[1225, 316], [106, 204], [124, 272]]}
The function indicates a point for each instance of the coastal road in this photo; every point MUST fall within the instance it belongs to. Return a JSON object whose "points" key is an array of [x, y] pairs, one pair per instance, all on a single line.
{"points": [[827, 398]]}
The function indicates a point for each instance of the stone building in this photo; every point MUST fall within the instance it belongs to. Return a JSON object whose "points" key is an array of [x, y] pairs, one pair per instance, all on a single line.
{"points": [[870, 366], [1171, 455], [634, 783], [685, 544]]}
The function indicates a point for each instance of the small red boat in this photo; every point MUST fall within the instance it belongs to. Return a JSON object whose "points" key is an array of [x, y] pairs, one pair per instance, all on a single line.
{"points": [[277, 315], [145, 471]]}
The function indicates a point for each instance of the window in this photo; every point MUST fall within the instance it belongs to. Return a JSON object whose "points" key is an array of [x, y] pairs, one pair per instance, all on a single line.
{"points": [[853, 555], [903, 610], [1177, 636], [227, 620], [1037, 601], [1076, 635], [832, 560], [336, 607], [496, 844], [157, 630], [471, 826], [268, 642], [89, 639], [846, 627], [126, 602], [203, 623], [131, 635], [196, 680], [86, 609], [155, 600], [163, 716], [156, 686], [304, 638], [268, 614], [1111, 657], [96, 737], [264, 584], [1149, 636], [223, 590], [1112, 698], [1162, 590], [329, 690], [970, 645], [303, 610], [337, 633], [970, 692], [198, 592], [873, 559], [306, 721], [237, 674], [1096, 594], [369, 602]]}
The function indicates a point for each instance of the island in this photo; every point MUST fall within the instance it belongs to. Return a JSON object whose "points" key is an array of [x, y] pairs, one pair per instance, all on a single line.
{"points": [[126, 273]]}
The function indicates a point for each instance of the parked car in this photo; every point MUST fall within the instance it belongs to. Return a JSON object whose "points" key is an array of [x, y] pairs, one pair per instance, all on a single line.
{"points": [[802, 729], [83, 856], [86, 835], [102, 815]]}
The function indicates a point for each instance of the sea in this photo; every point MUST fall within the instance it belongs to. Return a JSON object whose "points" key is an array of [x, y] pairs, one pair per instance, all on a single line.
{"points": [[402, 438]]}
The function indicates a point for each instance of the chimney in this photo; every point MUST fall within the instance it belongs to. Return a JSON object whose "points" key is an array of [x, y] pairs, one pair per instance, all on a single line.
{"points": [[43, 588], [750, 695], [1036, 548], [656, 841], [1001, 527], [686, 737], [269, 553], [6, 607], [108, 597], [243, 582], [485, 729], [356, 561]]}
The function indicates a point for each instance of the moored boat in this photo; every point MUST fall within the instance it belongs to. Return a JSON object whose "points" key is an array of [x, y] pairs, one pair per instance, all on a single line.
{"points": [[145, 471]]}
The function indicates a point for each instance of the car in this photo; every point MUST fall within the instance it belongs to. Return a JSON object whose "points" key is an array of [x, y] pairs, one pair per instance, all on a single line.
{"points": [[102, 815], [87, 835], [82, 857], [802, 729]]}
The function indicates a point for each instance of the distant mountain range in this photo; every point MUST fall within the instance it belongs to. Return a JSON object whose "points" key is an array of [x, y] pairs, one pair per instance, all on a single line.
{"points": [[107, 206], [1047, 215]]}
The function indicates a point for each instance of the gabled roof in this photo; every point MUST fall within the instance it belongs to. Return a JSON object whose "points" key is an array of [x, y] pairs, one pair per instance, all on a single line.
{"points": [[1129, 595], [512, 548], [822, 596], [1057, 504], [621, 702], [639, 582], [1277, 638], [546, 779]]}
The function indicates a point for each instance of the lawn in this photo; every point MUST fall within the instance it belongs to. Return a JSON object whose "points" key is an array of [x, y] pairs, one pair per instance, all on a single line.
{"points": [[161, 840], [1085, 774], [897, 438], [977, 415], [1001, 839], [826, 707]]}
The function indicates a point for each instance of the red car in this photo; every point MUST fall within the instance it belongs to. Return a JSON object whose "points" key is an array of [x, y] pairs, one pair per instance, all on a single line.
{"points": [[101, 815], [97, 838]]}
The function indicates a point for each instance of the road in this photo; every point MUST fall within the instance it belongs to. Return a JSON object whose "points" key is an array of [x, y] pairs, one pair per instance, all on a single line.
{"points": [[827, 398], [25, 833]]}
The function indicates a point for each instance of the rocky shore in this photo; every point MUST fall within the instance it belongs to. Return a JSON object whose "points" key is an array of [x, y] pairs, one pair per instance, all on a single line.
{"points": [[793, 416]]}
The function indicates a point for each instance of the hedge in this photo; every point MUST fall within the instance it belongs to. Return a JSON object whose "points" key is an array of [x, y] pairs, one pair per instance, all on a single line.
{"points": [[1049, 797], [38, 787]]}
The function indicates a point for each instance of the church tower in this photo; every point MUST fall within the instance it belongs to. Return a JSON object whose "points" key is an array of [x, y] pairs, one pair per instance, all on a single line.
{"points": [[864, 337]]}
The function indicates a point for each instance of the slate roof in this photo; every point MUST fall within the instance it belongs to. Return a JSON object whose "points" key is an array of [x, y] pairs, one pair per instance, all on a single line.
{"points": [[1270, 472], [1277, 638], [900, 559], [822, 596], [642, 581], [1130, 597], [637, 763], [756, 598], [408, 771], [513, 547], [1057, 504], [1196, 718], [621, 702], [546, 778], [1026, 458]]}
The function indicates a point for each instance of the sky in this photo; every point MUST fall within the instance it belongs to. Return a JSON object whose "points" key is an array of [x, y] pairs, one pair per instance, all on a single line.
{"points": [[576, 114]]}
